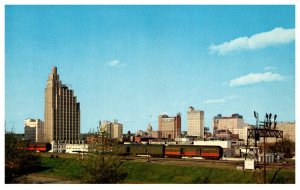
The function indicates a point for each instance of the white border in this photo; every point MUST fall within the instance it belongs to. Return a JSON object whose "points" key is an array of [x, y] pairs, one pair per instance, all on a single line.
{"points": [[138, 2]]}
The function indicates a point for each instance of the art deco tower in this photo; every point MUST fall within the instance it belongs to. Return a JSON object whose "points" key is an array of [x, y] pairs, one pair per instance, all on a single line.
{"points": [[62, 112]]}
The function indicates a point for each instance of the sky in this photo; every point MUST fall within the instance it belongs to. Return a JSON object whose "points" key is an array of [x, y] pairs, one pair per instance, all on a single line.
{"points": [[133, 63]]}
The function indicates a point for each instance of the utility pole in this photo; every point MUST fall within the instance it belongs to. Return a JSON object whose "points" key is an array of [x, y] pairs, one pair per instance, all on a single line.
{"points": [[267, 127], [264, 132], [265, 171]]}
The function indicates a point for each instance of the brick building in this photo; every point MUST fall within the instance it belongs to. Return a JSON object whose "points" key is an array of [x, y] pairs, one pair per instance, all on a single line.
{"points": [[169, 127]]}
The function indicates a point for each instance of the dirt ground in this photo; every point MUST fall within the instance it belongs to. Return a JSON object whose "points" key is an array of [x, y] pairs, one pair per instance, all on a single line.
{"points": [[44, 179]]}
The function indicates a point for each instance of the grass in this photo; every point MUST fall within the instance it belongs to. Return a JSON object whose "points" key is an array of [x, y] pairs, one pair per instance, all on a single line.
{"points": [[69, 168], [155, 173]]}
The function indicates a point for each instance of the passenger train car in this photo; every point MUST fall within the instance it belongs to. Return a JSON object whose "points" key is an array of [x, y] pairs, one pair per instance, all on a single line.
{"points": [[41, 147], [207, 152]]}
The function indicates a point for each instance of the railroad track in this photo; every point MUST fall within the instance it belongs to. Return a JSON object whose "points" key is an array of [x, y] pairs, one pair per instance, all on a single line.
{"points": [[181, 160], [204, 162], [188, 161]]}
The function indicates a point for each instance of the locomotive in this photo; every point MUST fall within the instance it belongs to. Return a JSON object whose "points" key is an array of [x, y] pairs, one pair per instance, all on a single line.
{"points": [[206, 152]]}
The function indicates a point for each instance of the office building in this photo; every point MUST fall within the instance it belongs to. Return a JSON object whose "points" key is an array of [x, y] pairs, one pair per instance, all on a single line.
{"points": [[62, 112], [235, 121], [195, 122], [113, 129], [34, 130], [169, 127]]}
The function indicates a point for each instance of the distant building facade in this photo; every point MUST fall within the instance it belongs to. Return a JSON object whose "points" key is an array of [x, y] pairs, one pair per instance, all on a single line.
{"points": [[220, 122], [156, 134], [195, 122], [149, 130], [113, 129], [242, 132], [34, 130], [62, 112], [169, 127], [149, 133], [288, 129]]}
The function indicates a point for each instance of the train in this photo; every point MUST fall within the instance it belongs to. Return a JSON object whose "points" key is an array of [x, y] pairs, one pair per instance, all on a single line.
{"points": [[38, 147], [178, 151]]}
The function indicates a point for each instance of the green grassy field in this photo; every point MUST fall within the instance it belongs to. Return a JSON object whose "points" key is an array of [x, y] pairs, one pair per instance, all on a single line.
{"points": [[144, 172], [157, 173], [68, 168]]}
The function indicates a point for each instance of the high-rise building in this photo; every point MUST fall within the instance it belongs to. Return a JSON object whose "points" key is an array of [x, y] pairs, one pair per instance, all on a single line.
{"points": [[169, 127], [113, 129], [34, 130], [195, 122], [62, 112], [220, 122]]}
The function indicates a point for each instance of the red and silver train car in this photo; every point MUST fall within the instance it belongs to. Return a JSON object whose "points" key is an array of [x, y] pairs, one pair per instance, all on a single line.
{"points": [[207, 152], [40, 147]]}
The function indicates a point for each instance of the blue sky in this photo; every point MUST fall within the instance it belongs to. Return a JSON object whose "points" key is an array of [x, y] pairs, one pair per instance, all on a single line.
{"points": [[133, 63]]}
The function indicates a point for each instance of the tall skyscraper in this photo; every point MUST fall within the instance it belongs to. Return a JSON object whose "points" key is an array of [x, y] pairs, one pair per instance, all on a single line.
{"points": [[195, 122], [169, 127], [34, 130], [62, 112]]}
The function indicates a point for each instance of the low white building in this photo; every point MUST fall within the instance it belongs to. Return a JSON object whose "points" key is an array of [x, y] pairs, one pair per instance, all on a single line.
{"points": [[184, 140], [68, 148], [58, 147], [223, 144], [76, 148]]}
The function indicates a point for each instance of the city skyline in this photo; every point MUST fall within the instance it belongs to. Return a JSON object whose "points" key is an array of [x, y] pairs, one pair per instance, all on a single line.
{"points": [[133, 63]]}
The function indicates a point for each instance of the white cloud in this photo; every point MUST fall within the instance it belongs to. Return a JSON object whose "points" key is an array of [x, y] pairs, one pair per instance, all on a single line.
{"points": [[220, 100], [113, 63], [261, 40], [268, 68], [254, 78]]}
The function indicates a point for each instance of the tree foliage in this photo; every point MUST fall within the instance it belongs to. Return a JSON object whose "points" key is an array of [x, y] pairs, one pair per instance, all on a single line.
{"points": [[103, 165], [18, 162], [104, 168], [288, 148]]}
